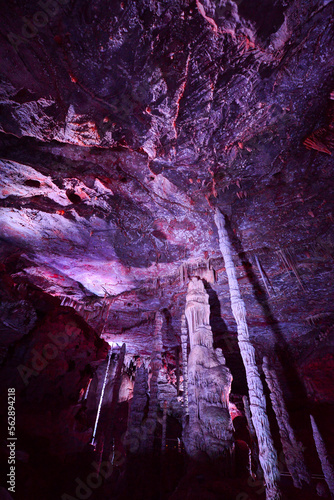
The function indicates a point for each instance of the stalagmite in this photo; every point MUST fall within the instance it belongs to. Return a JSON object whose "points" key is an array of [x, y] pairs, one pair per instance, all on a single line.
{"points": [[291, 447], [164, 428], [134, 436], [208, 433], [177, 369], [156, 364], [267, 452], [326, 464], [184, 346]]}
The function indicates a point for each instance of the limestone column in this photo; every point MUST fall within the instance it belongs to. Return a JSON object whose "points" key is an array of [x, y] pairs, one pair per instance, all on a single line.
{"points": [[135, 437], [177, 370], [164, 428], [254, 444], [156, 365], [184, 346], [291, 447], [208, 433], [249, 418], [267, 452], [326, 464]]}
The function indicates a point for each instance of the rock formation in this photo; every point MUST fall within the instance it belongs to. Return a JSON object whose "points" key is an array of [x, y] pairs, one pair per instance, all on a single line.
{"points": [[267, 452], [252, 433], [292, 449], [184, 347], [123, 123], [208, 432], [151, 419], [134, 439], [326, 464]]}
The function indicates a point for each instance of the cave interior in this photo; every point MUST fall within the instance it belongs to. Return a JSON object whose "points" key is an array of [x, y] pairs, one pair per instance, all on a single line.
{"points": [[167, 245]]}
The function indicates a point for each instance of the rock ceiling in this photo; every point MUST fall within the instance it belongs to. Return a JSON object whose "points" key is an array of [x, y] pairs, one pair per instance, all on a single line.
{"points": [[123, 124]]}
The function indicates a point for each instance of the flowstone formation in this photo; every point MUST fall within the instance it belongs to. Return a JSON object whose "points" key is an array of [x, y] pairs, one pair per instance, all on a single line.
{"points": [[208, 430]]}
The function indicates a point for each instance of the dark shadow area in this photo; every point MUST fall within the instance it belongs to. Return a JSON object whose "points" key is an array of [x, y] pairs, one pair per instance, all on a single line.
{"points": [[282, 351], [268, 16], [226, 341]]}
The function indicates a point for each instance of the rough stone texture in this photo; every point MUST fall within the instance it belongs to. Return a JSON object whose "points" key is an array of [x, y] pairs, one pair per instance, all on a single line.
{"points": [[123, 125], [292, 449], [184, 347], [208, 431], [325, 460], [156, 363], [267, 452], [226, 106], [136, 437]]}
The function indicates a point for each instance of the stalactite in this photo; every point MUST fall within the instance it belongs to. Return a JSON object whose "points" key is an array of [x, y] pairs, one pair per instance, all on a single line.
{"points": [[326, 464], [184, 346], [289, 264], [291, 447], [267, 452], [263, 275], [156, 365], [183, 273]]}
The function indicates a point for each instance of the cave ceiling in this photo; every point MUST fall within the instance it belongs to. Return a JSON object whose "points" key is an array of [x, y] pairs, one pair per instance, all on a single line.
{"points": [[124, 124]]}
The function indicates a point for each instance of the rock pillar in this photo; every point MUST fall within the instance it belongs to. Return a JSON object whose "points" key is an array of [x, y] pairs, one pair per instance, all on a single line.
{"points": [[208, 433], [326, 464], [267, 452]]}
